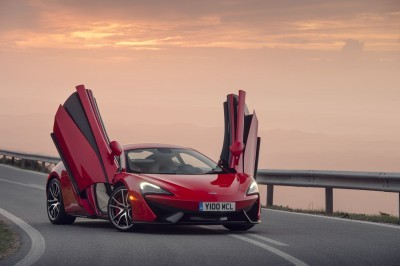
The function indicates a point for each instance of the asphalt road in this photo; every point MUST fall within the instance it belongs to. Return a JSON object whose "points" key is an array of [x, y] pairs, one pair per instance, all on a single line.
{"points": [[281, 239]]}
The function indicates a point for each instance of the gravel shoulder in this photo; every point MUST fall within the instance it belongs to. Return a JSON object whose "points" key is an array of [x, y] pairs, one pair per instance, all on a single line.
{"points": [[9, 240]]}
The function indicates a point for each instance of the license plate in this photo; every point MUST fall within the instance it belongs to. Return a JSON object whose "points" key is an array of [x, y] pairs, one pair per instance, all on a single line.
{"points": [[216, 206]]}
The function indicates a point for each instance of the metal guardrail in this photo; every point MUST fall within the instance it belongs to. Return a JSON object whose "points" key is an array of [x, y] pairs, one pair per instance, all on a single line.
{"points": [[376, 181], [28, 160]]}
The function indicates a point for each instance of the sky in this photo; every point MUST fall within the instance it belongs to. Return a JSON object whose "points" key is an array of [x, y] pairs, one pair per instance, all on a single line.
{"points": [[319, 66], [323, 76]]}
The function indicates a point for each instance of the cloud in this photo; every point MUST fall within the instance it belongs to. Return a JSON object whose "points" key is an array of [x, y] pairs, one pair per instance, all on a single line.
{"points": [[239, 24], [353, 46]]}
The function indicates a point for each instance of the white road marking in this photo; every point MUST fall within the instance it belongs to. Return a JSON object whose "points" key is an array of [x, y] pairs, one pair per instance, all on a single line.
{"points": [[23, 170], [269, 240], [276, 251], [271, 249], [339, 219], [38, 244], [22, 184]]}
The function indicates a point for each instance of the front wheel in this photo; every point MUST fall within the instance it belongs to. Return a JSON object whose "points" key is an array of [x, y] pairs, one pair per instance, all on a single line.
{"points": [[238, 227], [120, 209], [55, 204]]}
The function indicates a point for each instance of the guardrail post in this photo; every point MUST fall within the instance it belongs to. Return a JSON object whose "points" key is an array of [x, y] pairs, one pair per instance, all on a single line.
{"points": [[4, 159], [329, 200], [43, 167], [12, 160], [32, 165], [270, 195], [22, 163]]}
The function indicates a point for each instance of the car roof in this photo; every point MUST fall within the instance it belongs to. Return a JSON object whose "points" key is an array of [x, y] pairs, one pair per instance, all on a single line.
{"points": [[151, 145]]}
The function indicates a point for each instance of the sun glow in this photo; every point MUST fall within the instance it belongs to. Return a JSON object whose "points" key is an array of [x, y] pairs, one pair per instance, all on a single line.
{"points": [[64, 29]]}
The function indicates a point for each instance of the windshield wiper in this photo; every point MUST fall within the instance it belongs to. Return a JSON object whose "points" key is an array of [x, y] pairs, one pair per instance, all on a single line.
{"points": [[166, 173], [135, 172], [214, 171]]}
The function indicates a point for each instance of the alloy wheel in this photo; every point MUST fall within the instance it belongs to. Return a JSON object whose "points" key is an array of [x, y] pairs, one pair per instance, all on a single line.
{"points": [[120, 209], [53, 200]]}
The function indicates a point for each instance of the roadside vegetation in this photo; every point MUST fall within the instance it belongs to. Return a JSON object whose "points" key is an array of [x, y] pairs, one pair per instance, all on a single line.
{"points": [[381, 218], [9, 241]]}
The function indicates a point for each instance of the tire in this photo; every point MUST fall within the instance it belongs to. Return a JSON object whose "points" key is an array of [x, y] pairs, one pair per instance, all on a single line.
{"points": [[238, 227], [55, 204], [119, 209]]}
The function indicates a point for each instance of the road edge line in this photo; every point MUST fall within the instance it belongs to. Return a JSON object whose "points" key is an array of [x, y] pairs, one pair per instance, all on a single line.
{"points": [[22, 184], [337, 218], [38, 243]]}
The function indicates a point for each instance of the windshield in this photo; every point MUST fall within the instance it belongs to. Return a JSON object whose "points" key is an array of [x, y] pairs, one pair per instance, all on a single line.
{"points": [[170, 161]]}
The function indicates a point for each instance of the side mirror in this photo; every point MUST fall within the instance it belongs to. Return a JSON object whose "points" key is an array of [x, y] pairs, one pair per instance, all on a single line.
{"points": [[236, 149], [116, 149]]}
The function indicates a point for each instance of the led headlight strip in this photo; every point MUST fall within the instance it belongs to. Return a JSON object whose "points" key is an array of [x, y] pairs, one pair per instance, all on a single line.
{"points": [[149, 188]]}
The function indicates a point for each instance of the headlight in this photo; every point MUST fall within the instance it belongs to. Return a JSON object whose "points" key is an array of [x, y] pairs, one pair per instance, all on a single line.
{"points": [[148, 188], [253, 189]]}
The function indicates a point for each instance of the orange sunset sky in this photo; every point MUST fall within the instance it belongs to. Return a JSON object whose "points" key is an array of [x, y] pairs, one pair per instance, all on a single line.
{"points": [[323, 76]]}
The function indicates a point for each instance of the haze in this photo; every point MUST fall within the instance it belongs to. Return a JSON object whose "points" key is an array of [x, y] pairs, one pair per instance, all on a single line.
{"points": [[323, 77]]}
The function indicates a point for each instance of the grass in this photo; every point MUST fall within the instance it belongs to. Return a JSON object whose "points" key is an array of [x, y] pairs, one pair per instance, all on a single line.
{"points": [[381, 218], [9, 241]]}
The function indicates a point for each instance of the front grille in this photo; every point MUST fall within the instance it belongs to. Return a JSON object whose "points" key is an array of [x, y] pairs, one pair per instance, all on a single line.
{"points": [[164, 214], [213, 217]]}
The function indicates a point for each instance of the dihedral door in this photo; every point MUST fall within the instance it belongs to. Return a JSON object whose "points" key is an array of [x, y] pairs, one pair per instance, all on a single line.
{"points": [[240, 126], [82, 141]]}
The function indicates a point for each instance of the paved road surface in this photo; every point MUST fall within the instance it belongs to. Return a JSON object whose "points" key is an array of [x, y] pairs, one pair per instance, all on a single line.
{"points": [[281, 239]]}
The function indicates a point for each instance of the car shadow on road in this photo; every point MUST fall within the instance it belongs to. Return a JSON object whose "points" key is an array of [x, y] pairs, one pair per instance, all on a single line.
{"points": [[159, 229]]}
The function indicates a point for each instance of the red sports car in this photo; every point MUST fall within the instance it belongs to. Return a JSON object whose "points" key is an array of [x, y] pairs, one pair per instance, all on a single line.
{"points": [[151, 183]]}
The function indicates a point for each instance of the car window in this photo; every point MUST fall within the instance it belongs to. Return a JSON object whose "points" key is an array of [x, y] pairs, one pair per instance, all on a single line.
{"points": [[193, 161], [139, 154], [177, 161]]}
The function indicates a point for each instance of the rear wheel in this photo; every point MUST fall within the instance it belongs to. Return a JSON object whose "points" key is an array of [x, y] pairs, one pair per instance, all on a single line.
{"points": [[238, 227], [120, 209], [55, 204]]}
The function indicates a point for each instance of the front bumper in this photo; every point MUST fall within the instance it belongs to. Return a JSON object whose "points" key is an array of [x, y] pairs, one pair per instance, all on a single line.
{"points": [[247, 212]]}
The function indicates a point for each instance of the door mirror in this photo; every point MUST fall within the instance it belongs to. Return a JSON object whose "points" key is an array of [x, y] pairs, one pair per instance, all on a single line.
{"points": [[237, 148], [116, 149]]}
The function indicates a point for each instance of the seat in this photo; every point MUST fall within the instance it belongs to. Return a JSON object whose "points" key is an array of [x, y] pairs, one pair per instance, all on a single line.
{"points": [[165, 165]]}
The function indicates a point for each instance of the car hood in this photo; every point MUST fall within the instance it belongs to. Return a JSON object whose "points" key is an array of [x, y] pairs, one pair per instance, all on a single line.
{"points": [[215, 184]]}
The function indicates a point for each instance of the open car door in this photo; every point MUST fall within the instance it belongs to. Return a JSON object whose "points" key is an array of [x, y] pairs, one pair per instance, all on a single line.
{"points": [[241, 145], [82, 141]]}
